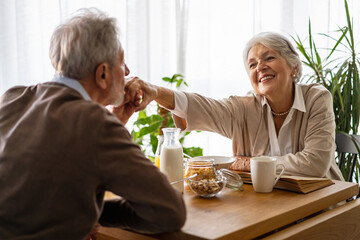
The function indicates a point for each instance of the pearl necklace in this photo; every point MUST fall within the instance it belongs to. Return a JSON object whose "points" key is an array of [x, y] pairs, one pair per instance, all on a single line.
{"points": [[280, 114]]}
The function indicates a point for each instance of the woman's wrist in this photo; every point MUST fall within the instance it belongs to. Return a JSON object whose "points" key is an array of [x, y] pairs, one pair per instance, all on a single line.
{"points": [[165, 97]]}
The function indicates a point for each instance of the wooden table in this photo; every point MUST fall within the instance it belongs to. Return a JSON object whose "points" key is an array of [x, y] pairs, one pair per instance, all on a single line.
{"points": [[276, 215]]}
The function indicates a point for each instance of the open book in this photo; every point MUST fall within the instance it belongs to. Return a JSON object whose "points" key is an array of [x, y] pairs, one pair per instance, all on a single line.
{"points": [[294, 183]]}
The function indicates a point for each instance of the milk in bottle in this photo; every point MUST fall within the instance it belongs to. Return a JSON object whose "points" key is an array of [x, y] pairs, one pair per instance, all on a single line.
{"points": [[171, 157]]}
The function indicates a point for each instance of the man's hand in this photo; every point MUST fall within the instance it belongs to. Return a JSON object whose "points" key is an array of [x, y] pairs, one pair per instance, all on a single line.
{"points": [[124, 111]]}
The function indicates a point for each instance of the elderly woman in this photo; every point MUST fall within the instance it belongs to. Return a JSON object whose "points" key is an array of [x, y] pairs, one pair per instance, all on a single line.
{"points": [[281, 118]]}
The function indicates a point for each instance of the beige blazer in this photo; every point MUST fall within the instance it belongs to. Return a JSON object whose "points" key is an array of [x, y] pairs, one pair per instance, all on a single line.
{"points": [[243, 119]]}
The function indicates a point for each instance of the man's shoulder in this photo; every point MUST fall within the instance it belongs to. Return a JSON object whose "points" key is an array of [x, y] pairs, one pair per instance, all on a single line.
{"points": [[60, 101], [12, 93], [46, 90]]}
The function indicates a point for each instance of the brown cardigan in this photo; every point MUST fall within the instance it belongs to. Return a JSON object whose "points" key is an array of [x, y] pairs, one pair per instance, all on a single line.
{"points": [[243, 119], [58, 155]]}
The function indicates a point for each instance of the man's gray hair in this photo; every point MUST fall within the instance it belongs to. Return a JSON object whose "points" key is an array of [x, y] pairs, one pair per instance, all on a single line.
{"points": [[278, 43], [79, 45]]}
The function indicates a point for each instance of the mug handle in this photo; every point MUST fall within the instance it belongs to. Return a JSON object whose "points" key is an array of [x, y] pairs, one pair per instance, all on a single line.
{"points": [[281, 173]]}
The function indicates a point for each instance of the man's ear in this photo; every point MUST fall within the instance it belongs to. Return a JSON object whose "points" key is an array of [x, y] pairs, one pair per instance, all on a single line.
{"points": [[102, 76]]}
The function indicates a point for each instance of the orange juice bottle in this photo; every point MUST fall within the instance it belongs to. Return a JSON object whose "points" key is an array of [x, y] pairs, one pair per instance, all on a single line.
{"points": [[158, 149], [157, 161]]}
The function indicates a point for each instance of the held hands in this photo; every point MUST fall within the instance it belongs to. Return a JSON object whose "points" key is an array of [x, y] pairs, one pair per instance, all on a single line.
{"points": [[139, 92], [137, 95]]}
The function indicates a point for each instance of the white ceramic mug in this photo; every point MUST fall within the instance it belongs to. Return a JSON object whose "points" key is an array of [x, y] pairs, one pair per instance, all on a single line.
{"points": [[263, 173]]}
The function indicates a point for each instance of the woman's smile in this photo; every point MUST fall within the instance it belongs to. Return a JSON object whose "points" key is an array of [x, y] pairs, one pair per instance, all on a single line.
{"points": [[266, 78]]}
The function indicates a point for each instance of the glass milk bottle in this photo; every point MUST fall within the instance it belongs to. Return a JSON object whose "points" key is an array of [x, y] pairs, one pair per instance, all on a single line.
{"points": [[171, 157]]}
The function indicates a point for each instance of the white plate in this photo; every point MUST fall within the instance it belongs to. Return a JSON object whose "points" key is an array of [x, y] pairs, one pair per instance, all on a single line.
{"points": [[220, 161]]}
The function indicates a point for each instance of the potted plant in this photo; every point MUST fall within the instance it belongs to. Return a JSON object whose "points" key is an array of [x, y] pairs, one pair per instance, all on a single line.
{"points": [[151, 120], [340, 75]]}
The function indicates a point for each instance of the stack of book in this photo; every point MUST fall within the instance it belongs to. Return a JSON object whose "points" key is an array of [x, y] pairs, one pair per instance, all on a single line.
{"points": [[294, 183]]}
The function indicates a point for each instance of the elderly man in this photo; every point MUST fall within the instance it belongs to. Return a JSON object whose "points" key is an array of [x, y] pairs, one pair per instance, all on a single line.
{"points": [[61, 149]]}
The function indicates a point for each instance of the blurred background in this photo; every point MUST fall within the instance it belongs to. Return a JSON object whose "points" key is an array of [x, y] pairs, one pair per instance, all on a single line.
{"points": [[201, 39]]}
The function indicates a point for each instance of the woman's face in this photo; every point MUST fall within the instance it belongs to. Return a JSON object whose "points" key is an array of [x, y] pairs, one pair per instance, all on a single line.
{"points": [[270, 74]]}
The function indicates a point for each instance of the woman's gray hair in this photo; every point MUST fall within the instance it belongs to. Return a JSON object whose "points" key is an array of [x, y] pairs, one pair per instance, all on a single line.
{"points": [[79, 45], [278, 43]]}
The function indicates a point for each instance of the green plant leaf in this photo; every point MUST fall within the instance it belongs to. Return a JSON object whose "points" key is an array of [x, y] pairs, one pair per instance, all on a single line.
{"points": [[133, 134], [142, 114], [193, 151], [339, 74], [171, 123], [179, 83], [349, 25], [142, 121], [337, 44], [176, 76], [146, 130], [166, 79], [153, 126], [153, 142], [148, 120]]}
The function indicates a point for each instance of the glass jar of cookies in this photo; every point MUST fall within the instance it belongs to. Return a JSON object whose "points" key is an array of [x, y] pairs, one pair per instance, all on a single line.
{"points": [[204, 168]]}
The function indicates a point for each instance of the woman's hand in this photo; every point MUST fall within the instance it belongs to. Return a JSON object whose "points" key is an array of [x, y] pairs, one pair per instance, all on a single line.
{"points": [[139, 92], [241, 164]]}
